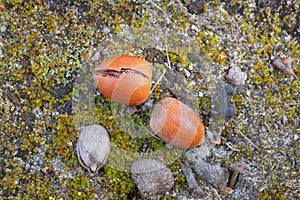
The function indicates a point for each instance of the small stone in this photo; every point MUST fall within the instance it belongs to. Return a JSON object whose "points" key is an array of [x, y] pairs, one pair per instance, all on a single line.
{"points": [[191, 67], [179, 67], [147, 105], [151, 177], [45, 170], [284, 64], [196, 6], [96, 56], [234, 9], [3, 28], [27, 167], [237, 76], [131, 110], [186, 73], [287, 38], [106, 30]]}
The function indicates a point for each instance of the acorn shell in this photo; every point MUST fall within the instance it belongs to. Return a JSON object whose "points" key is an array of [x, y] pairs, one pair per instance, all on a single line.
{"points": [[151, 177], [124, 79], [93, 147], [177, 124]]}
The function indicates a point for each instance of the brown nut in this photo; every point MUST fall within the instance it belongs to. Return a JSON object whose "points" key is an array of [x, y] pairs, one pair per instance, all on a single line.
{"points": [[177, 124], [151, 177], [124, 79]]}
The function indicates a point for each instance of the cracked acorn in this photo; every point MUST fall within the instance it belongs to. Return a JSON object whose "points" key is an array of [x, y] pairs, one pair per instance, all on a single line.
{"points": [[124, 79], [93, 147], [177, 124]]}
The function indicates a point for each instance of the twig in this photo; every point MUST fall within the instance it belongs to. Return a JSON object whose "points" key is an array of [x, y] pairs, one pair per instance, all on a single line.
{"points": [[231, 147], [212, 29], [217, 194], [157, 82], [254, 145], [156, 6], [169, 63], [291, 104], [154, 135], [267, 125]]}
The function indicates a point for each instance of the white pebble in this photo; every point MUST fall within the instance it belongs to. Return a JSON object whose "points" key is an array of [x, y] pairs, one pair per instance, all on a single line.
{"points": [[237, 76], [3, 28]]}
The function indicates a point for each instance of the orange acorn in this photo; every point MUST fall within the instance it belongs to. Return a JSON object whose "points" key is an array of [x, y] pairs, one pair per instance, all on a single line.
{"points": [[177, 124], [124, 79]]}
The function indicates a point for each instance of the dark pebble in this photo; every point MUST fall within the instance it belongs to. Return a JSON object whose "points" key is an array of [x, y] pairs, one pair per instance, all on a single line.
{"points": [[196, 6]]}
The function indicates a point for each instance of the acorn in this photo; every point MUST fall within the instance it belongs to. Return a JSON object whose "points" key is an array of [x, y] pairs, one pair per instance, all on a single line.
{"points": [[177, 124], [151, 177], [93, 147], [124, 79]]}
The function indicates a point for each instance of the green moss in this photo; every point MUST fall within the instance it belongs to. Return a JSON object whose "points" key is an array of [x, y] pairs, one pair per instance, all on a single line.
{"points": [[66, 134], [79, 188], [180, 180], [211, 44], [239, 102], [119, 184]]}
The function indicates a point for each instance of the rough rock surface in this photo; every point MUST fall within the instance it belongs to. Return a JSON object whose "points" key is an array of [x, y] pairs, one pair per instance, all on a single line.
{"points": [[212, 174]]}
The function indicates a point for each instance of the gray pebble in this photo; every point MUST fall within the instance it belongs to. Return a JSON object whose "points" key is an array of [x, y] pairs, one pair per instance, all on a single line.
{"points": [[196, 7], [179, 67], [237, 76], [3, 28], [106, 30]]}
